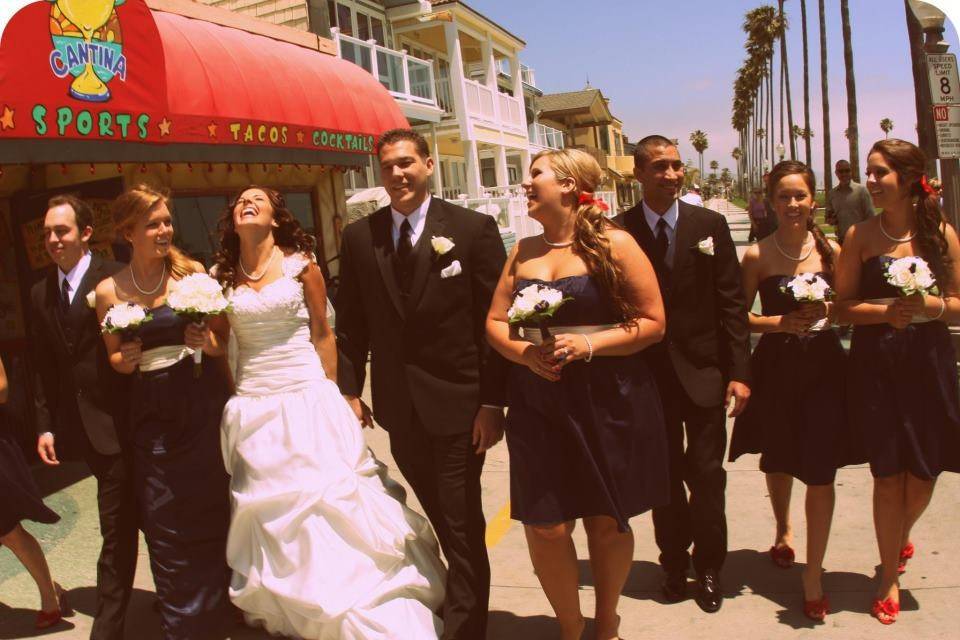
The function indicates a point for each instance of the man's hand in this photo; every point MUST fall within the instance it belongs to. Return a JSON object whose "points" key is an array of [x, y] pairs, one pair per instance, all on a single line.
{"points": [[487, 428], [46, 449], [361, 410], [740, 394]]}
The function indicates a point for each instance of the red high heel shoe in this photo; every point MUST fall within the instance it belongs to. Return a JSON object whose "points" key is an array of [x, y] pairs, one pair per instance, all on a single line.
{"points": [[905, 554], [47, 619], [886, 611], [816, 610], [782, 556]]}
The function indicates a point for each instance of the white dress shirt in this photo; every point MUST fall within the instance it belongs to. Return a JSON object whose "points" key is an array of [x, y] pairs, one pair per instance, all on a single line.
{"points": [[75, 277], [417, 218], [670, 217]]}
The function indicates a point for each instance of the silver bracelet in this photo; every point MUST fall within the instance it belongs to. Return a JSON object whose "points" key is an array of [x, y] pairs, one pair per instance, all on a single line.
{"points": [[586, 339], [943, 308]]}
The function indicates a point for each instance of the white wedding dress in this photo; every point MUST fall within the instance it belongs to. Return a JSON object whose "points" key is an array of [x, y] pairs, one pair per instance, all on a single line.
{"points": [[319, 549]]}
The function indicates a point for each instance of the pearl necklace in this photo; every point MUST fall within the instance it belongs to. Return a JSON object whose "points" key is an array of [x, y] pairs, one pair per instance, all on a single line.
{"points": [[801, 257], [889, 237], [255, 278], [558, 245], [136, 285]]}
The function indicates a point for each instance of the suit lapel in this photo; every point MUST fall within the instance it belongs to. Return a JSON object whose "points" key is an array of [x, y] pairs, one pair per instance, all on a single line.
{"points": [[423, 252], [380, 228], [636, 224], [686, 236]]}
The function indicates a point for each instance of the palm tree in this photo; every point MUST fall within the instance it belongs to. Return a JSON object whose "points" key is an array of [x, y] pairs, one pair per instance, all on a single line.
{"points": [[806, 80], [825, 91], [737, 155], [854, 137], [714, 165], [699, 141], [785, 71], [886, 125]]}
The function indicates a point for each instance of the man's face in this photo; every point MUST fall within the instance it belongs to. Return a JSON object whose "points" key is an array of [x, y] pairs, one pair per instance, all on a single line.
{"points": [[65, 243], [844, 174], [405, 175], [661, 175]]}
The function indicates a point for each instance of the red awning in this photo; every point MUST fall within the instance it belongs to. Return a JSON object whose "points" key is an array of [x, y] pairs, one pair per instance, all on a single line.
{"points": [[180, 88]]}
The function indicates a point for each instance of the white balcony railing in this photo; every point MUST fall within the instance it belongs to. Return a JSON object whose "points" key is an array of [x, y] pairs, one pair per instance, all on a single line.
{"points": [[494, 107], [547, 137], [404, 76]]}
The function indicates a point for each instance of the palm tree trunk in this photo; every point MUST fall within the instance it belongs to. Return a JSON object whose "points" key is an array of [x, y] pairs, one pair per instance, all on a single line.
{"points": [[806, 82], [772, 129], [926, 135], [786, 77], [825, 90], [853, 132]]}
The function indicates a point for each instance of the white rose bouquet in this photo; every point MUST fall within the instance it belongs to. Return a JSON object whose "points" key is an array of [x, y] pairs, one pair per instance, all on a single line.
{"points": [[911, 275], [196, 298], [536, 303], [125, 318], [809, 288]]}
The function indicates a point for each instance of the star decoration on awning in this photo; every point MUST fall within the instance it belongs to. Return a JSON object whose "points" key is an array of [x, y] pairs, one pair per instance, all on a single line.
{"points": [[6, 120], [299, 137], [212, 129], [165, 127]]}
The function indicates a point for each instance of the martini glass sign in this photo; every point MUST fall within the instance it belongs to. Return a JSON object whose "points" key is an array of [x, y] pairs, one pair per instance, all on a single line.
{"points": [[87, 45]]}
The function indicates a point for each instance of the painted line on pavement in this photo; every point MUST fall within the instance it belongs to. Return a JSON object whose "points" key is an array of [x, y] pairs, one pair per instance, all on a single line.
{"points": [[498, 527]]}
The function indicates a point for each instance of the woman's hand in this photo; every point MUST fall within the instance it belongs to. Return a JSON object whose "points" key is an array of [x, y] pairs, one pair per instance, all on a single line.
{"points": [[565, 348], [131, 352], [796, 322], [196, 335], [543, 366], [902, 311]]}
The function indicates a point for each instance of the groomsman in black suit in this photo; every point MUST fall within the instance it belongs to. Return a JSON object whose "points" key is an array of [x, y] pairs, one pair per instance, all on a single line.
{"points": [[416, 279], [80, 398], [701, 366]]}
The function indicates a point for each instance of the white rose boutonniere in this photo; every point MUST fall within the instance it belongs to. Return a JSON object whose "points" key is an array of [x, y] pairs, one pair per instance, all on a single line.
{"points": [[92, 299], [441, 245], [705, 246]]}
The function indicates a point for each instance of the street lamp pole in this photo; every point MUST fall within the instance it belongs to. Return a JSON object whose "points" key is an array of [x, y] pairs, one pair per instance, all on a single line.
{"points": [[931, 21]]}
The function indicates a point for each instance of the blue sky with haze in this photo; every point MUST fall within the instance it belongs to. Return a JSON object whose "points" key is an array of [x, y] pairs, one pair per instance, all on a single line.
{"points": [[668, 67]]}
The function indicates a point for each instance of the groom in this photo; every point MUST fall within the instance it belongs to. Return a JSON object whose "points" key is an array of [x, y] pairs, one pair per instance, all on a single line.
{"points": [[701, 366], [416, 279]]}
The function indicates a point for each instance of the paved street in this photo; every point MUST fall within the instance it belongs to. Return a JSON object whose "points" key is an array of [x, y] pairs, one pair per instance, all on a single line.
{"points": [[763, 601]]}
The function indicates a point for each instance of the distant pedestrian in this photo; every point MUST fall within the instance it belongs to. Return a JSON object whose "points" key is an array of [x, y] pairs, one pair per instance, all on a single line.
{"points": [[693, 196], [847, 203]]}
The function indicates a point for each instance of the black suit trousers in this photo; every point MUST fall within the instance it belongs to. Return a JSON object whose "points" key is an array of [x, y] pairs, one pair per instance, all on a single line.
{"points": [[120, 531], [700, 519], [444, 472]]}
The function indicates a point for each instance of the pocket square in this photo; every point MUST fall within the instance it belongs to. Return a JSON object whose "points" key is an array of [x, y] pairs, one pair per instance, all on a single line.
{"points": [[453, 270]]}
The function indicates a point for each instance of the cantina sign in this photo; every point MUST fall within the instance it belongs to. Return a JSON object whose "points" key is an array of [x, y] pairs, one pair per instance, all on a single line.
{"points": [[96, 70]]}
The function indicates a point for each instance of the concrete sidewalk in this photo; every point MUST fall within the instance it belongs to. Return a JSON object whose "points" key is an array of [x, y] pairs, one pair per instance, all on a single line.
{"points": [[763, 601]]}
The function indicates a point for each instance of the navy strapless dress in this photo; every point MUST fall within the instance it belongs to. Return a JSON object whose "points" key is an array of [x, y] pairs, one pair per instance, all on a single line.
{"points": [[904, 399], [593, 443], [20, 497], [182, 488], [796, 417]]}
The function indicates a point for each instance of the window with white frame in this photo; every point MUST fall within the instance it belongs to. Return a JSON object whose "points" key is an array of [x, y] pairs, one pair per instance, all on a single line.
{"points": [[358, 20]]}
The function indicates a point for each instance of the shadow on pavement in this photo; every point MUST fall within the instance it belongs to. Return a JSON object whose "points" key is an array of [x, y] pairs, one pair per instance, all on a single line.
{"points": [[50, 480], [18, 623], [643, 582], [504, 625]]}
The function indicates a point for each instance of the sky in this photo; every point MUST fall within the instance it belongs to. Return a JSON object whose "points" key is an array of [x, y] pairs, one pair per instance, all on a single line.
{"points": [[668, 67]]}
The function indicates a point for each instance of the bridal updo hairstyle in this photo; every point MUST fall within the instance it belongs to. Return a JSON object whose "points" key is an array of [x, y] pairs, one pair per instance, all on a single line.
{"points": [[590, 242], [288, 234], [139, 202], [910, 163], [792, 168]]}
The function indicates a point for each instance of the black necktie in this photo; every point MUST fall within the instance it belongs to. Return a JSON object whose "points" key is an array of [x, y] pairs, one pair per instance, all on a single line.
{"points": [[404, 252], [662, 242], [65, 297]]}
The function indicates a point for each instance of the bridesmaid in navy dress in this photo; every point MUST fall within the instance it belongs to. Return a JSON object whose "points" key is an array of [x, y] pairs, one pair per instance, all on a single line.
{"points": [[796, 417], [585, 428], [904, 402], [181, 485]]}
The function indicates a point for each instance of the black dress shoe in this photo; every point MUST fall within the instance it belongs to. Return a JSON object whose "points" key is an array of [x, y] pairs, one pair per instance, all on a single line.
{"points": [[674, 586], [709, 593]]}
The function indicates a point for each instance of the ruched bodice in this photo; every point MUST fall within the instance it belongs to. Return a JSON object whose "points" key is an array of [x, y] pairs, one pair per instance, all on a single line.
{"points": [[588, 303], [164, 330], [873, 282], [273, 332]]}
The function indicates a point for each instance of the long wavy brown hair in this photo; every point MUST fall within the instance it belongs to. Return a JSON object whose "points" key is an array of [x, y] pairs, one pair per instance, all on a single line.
{"points": [[137, 202], [590, 241], [910, 162], [791, 168], [288, 234]]}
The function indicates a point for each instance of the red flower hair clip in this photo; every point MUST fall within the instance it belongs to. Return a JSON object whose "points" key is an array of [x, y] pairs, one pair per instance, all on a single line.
{"points": [[588, 198], [927, 189]]}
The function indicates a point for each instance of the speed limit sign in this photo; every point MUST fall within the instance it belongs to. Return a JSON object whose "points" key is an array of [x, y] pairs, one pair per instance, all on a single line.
{"points": [[942, 71]]}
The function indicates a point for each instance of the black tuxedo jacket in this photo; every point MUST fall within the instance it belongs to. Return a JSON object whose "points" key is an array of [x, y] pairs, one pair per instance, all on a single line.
{"points": [[429, 354], [75, 379], [708, 337]]}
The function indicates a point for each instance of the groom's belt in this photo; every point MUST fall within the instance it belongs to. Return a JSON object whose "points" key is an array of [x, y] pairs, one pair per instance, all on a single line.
{"points": [[532, 334]]}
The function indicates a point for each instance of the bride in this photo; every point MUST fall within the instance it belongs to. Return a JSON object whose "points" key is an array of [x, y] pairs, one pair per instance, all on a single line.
{"points": [[319, 549]]}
